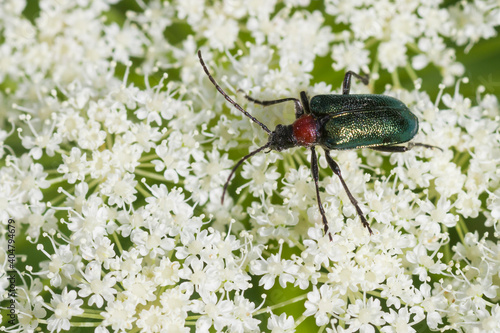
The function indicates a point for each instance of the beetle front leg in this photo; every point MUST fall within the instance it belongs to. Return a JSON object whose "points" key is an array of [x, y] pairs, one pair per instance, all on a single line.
{"points": [[346, 85], [299, 109], [315, 174], [305, 105], [336, 170]]}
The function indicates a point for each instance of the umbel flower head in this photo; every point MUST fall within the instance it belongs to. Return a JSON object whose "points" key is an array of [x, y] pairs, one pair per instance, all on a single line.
{"points": [[115, 148]]}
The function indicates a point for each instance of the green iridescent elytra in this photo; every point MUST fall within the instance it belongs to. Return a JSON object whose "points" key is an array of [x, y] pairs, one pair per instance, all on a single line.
{"points": [[357, 121]]}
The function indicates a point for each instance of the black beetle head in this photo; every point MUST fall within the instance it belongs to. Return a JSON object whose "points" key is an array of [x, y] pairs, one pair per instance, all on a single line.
{"points": [[282, 138]]}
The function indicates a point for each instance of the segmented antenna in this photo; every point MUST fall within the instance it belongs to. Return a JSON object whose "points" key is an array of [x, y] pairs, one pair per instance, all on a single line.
{"points": [[238, 164], [223, 93]]}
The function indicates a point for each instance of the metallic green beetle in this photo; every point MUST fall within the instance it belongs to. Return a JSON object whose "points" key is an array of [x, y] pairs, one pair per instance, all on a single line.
{"points": [[344, 121]]}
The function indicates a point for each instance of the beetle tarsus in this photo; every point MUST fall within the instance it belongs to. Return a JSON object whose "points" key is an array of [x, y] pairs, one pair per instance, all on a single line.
{"points": [[402, 149], [418, 144]]}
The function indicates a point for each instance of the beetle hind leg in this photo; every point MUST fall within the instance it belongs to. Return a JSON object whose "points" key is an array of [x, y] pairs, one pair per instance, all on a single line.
{"points": [[336, 169], [402, 149]]}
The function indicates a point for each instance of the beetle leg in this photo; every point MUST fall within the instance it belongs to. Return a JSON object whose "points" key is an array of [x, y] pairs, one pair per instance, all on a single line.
{"points": [[336, 169], [346, 85], [417, 144], [305, 104], [402, 149], [315, 174], [299, 110], [391, 149]]}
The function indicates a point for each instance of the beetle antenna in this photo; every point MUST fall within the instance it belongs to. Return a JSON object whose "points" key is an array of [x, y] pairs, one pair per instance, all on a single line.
{"points": [[238, 164], [226, 96]]}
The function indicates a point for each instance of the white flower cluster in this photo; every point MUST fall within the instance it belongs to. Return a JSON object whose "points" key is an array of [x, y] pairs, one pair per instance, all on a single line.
{"points": [[116, 147], [398, 28]]}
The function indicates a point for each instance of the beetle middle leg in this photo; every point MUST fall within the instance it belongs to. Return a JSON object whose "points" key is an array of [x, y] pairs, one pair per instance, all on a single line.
{"points": [[402, 149], [336, 169], [299, 109], [346, 85], [315, 174]]}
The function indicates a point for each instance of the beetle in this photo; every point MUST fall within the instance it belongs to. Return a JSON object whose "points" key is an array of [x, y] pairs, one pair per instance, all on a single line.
{"points": [[340, 122]]}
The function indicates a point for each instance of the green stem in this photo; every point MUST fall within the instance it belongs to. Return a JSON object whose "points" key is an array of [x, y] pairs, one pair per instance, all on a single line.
{"points": [[395, 79], [411, 72], [282, 304], [152, 175]]}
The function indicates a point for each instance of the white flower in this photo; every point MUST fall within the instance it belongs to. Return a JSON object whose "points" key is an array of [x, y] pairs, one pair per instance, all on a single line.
{"points": [[100, 249], [59, 263], [173, 158], [167, 273], [139, 289], [491, 323], [120, 189], [176, 301], [323, 303], [74, 166], [424, 263], [46, 139], [365, 315], [433, 305], [272, 268], [281, 324], [298, 186], [365, 24], [191, 10], [29, 177], [272, 220], [65, 306], [474, 21], [119, 315], [91, 221], [100, 289], [209, 174], [401, 321], [214, 311], [91, 137], [40, 218], [151, 320], [154, 240], [262, 178], [352, 56], [102, 101], [243, 316], [129, 263], [69, 124], [127, 41], [392, 54], [220, 31], [206, 278]]}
